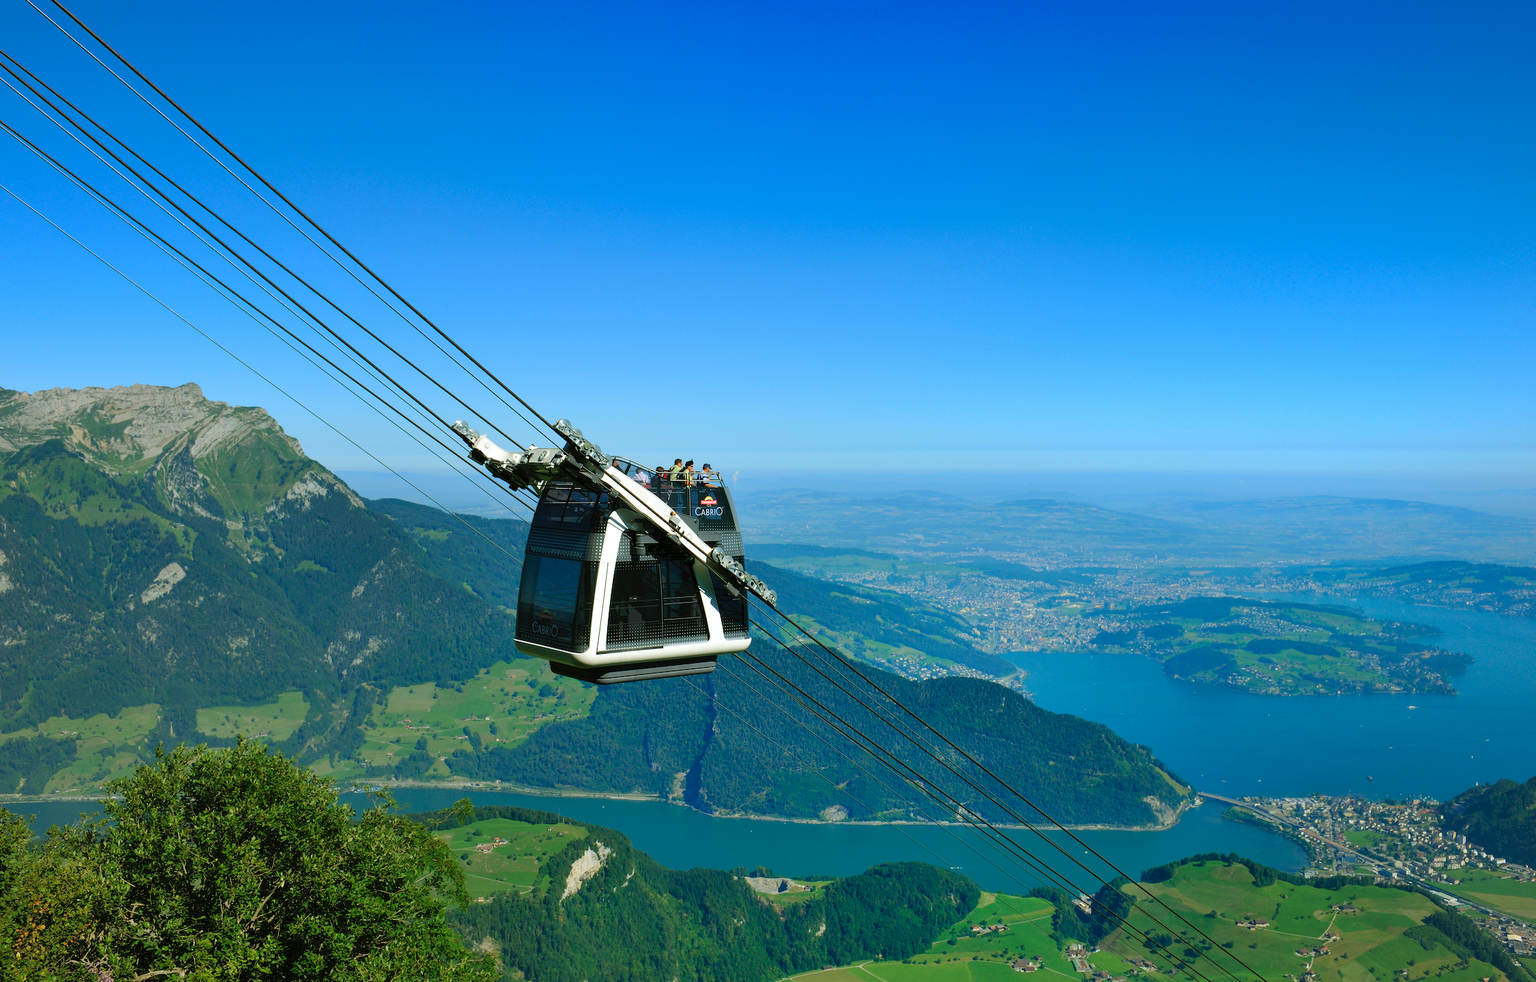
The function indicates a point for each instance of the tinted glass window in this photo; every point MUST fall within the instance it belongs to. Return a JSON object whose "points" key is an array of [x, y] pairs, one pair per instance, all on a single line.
{"points": [[563, 506], [554, 603], [654, 602]]}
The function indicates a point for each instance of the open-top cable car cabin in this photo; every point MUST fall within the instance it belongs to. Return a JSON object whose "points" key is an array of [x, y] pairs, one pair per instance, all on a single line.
{"points": [[605, 597], [627, 575]]}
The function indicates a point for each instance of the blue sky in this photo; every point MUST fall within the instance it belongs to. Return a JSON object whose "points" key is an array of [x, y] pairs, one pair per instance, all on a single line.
{"points": [[1069, 238]]}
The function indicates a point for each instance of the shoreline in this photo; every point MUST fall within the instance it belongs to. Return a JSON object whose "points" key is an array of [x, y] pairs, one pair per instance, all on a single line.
{"points": [[1195, 801]]}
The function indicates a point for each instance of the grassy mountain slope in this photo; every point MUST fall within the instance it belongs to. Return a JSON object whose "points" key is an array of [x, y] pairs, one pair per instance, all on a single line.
{"points": [[159, 548], [465, 549], [167, 554]]}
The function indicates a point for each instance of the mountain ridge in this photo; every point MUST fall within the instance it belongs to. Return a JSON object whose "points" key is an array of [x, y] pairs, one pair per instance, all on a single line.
{"points": [[196, 559]]}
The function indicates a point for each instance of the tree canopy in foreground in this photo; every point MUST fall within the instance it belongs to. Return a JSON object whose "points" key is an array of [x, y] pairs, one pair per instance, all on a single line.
{"points": [[230, 864]]}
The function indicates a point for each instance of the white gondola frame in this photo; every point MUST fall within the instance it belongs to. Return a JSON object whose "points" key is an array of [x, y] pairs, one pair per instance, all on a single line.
{"points": [[596, 656]]}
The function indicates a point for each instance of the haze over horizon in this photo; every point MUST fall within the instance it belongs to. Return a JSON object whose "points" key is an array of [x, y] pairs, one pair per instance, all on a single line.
{"points": [[1288, 245]]}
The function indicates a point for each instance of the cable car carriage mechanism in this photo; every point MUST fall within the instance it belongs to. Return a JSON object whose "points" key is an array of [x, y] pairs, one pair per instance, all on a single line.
{"points": [[627, 576]]}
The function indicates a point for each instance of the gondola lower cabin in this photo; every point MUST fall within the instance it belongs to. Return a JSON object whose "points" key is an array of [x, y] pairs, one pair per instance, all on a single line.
{"points": [[607, 597]]}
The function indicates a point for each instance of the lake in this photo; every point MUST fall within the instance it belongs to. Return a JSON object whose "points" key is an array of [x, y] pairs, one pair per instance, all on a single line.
{"points": [[1398, 746], [682, 838]]}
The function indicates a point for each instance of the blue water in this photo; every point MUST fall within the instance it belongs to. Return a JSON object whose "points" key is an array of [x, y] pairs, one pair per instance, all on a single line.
{"points": [[682, 838], [1231, 742], [1222, 740]]}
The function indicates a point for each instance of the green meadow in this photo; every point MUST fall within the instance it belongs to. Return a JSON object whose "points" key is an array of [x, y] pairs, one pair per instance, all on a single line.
{"points": [[501, 705], [1215, 896], [952, 971], [106, 746], [1365, 944], [271, 722], [1499, 891], [512, 866], [963, 954]]}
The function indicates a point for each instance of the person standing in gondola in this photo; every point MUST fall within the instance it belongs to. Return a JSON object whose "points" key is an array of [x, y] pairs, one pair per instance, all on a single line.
{"points": [[688, 474], [707, 477], [675, 475]]}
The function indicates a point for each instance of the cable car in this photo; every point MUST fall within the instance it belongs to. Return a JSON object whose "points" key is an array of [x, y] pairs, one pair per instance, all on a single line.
{"points": [[627, 575], [606, 597]]}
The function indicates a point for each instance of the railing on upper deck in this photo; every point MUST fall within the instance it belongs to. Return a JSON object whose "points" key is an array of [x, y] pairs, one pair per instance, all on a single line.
{"points": [[701, 499]]}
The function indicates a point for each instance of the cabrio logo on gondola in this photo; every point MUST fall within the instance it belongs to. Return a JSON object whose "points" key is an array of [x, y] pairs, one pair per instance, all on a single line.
{"points": [[708, 507], [548, 630]]}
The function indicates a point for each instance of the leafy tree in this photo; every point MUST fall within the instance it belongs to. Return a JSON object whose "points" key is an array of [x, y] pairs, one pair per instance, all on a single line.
{"points": [[231, 865]]}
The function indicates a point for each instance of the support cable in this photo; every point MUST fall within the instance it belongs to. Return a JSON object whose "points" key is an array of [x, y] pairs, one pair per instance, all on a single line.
{"points": [[847, 665], [974, 819], [989, 832], [255, 372], [220, 218], [281, 301], [264, 181], [238, 299], [850, 795], [202, 273], [310, 314]]}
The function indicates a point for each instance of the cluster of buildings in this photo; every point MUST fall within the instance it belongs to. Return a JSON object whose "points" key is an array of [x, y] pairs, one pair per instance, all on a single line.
{"points": [[919, 669], [1405, 839], [1406, 843], [1518, 936], [1078, 955]]}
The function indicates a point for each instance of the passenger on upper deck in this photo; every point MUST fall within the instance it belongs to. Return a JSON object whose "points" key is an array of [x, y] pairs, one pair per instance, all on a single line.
{"points": [[708, 478], [676, 473], [687, 477]]}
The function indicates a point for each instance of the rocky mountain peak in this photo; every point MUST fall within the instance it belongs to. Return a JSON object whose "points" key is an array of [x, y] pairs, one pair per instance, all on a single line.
{"points": [[233, 464], [129, 425]]}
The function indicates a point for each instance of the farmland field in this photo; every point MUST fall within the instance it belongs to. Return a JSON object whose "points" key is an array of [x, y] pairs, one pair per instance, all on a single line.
{"points": [[1370, 942], [1504, 893], [513, 866]]}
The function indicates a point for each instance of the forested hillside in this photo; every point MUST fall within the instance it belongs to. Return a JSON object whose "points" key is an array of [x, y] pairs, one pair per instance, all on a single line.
{"points": [[1498, 817], [161, 554], [157, 548], [733, 742], [630, 918]]}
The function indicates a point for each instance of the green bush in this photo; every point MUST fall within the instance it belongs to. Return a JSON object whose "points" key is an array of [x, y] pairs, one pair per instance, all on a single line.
{"points": [[230, 864]]}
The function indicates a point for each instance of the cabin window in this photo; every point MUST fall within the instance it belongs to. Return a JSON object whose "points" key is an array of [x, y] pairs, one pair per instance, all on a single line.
{"points": [[654, 602], [554, 602], [568, 507]]}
